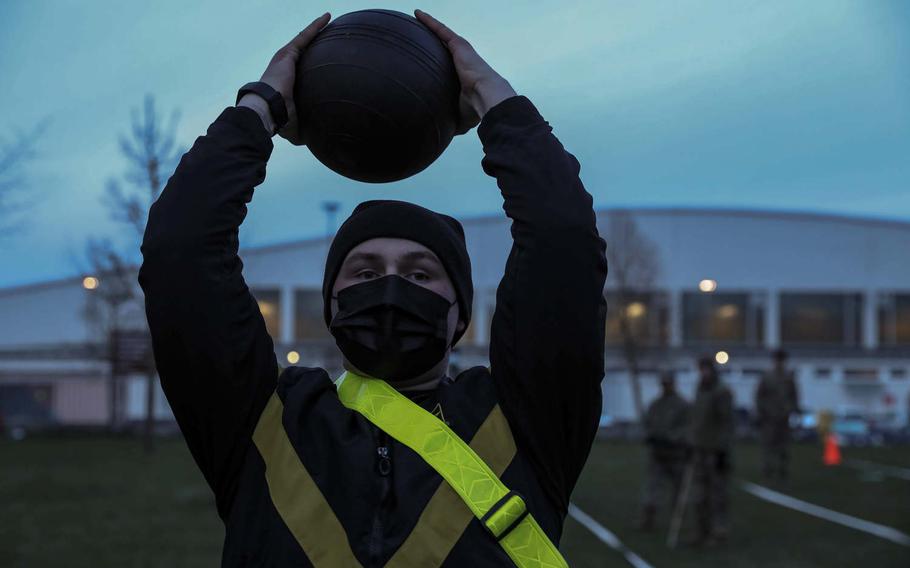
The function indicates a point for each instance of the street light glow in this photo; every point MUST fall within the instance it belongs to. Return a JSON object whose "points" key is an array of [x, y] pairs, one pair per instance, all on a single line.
{"points": [[722, 357], [266, 308], [90, 282], [707, 285], [635, 310], [293, 357]]}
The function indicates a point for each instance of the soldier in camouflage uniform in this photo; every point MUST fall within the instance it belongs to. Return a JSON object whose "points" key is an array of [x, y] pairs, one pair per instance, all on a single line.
{"points": [[775, 400], [665, 435], [711, 437]]}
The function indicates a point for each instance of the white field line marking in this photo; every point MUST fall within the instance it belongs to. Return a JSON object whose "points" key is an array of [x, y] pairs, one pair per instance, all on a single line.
{"points": [[606, 536], [893, 471], [876, 529]]}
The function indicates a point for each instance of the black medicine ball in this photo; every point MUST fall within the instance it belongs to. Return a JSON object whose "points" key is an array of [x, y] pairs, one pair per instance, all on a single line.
{"points": [[376, 96]]}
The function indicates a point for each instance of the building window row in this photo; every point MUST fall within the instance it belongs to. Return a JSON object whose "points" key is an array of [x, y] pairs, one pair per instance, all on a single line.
{"points": [[270, 305], [894, 319], [308, 323], [642, 317], [733, 318], [729, 318], [821, 319], [741, 318]]}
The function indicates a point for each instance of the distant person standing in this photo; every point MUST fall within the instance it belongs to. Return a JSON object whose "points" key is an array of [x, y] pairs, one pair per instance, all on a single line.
{"points": [[711, 437], [665, 425], [776, 399]]}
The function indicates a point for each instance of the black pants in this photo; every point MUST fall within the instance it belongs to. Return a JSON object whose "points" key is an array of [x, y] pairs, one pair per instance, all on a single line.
{"points": [[664, 478], [710, 489], [775, 438]]}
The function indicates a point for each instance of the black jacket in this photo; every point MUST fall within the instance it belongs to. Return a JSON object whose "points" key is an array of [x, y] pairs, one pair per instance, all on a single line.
{"points": [[218, 366]]}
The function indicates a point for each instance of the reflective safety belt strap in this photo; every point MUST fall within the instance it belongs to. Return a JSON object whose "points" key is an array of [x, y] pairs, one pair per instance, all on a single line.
{"points": [[296, 497], [503, 512], [446, 516]]}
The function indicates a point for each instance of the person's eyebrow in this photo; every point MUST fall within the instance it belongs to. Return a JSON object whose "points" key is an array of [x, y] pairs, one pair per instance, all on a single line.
{"points": [[421, 255], [363, 257]]}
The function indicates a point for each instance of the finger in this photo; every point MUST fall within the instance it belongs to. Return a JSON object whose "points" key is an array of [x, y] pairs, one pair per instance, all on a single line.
{"points": [[307, 34], [437, 27]]}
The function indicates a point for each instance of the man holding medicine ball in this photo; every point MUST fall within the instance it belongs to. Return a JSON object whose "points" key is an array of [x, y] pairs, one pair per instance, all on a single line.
{"points": [[303, 473]]}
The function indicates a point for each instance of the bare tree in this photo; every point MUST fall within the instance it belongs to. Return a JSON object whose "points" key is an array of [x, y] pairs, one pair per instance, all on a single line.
{"points": [[15, 199], [112, 292], [634, 267], [151, 156]]}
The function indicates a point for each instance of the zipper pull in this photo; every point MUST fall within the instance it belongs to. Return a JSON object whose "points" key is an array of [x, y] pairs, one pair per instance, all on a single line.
{"points": [[385, 463]]}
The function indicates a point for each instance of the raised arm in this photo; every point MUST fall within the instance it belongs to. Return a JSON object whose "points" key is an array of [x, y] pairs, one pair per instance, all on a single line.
{"points": [[547, 342], [215, 359], [547, 338], [213, 354]]}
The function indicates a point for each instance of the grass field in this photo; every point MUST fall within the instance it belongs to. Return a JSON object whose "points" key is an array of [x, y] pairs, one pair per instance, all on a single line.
{"points": [[763, 534], [101, 502]]}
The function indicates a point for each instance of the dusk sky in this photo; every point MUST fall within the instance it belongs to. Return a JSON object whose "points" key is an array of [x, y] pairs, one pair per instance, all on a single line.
{"points": [[748, 104]]}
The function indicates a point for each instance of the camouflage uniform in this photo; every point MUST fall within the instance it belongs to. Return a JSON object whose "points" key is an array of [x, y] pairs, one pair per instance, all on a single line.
{"points": [[711, 437], [775, 400], [665, 429]]}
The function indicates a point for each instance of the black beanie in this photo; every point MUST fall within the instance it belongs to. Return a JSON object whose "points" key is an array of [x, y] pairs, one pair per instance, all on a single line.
{"points": [[399, 219]]}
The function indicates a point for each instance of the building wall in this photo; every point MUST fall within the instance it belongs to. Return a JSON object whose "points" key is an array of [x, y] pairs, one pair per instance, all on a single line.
{"points": [[42, 314], [881, 396], [774, 251], [81, 401], [765, 253]]}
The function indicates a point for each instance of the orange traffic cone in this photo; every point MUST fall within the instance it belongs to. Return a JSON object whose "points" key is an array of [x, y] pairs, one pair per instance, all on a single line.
{"points": [[832, 451]]}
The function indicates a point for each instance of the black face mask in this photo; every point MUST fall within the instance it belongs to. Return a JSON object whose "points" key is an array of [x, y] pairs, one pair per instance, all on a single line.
{"points": [[390, 328]]}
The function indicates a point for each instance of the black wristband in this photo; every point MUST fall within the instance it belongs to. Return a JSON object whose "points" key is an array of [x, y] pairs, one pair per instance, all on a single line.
{"points": [[277, 108]]}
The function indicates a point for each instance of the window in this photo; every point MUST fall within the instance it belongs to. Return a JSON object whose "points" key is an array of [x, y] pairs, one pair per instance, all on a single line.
{"points": [[729, 318], [894, 319], [270, 305], [820, 319], [646, 318], [308, 318], [861, 375], [470, 334]]}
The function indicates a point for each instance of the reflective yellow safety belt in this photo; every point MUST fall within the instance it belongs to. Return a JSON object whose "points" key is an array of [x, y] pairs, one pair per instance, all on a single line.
{"points": [[501, 511]]}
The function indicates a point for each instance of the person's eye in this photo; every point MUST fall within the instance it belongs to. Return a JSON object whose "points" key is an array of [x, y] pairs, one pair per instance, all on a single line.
{"points": [[419, 276], [367, 274]]}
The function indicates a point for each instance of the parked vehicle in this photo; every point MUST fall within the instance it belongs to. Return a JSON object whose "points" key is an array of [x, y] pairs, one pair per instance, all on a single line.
{"points": [[856, 430], [25, 409]]}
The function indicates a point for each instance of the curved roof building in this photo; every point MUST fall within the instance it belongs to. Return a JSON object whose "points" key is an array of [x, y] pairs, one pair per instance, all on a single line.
{"points": [[834, 291]]}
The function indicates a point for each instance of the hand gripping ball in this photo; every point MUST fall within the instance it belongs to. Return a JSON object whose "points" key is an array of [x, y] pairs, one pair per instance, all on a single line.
{"points": [[377, 96]]}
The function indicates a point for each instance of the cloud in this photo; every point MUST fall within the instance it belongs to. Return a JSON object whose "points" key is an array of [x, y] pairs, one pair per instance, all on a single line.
{"points": [[771, 104]]}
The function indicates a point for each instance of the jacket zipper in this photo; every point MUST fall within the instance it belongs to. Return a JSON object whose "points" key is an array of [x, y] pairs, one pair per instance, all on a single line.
{"points": [[383, 469]]}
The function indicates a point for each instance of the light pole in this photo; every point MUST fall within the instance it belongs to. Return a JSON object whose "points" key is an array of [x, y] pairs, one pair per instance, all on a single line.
{"points": [[331, 209]]}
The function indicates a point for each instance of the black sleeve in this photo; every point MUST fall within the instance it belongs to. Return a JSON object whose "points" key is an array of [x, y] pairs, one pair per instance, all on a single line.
{"points": [[547, 337], [215, 359]]}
